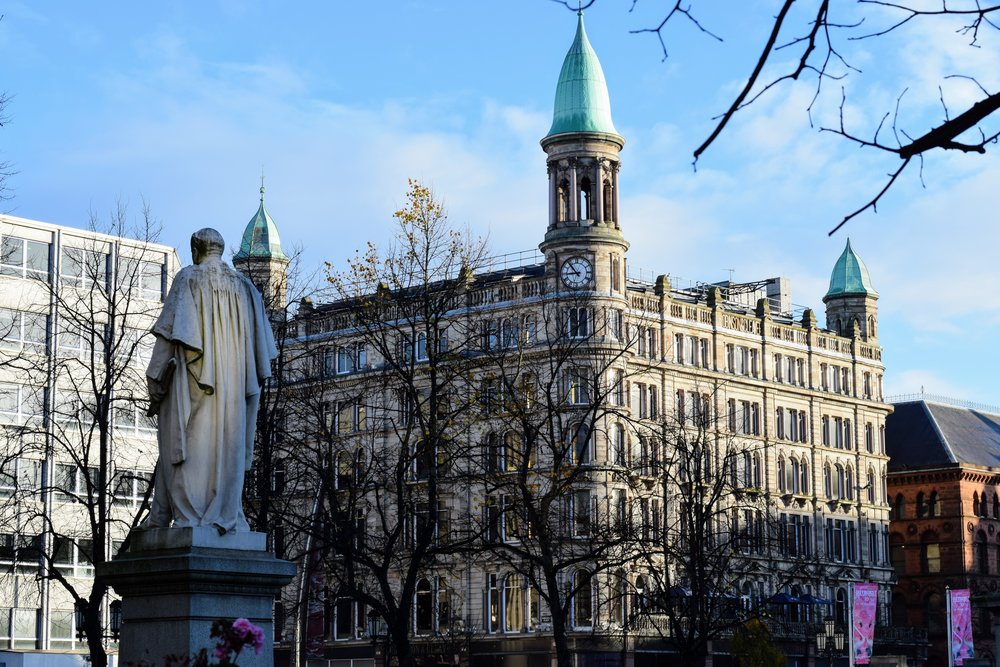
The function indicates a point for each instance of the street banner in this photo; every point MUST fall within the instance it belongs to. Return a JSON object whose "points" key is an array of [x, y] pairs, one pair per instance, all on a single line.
{"points": [[864, 609], [960, 626]]}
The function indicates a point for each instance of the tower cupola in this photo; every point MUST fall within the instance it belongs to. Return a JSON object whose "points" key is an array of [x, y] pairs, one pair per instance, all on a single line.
{"points": [[582, 153], [851, 297], [261, 258]]}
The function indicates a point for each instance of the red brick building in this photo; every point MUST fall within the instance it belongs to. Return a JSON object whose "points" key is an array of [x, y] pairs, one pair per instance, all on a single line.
{"points": [[944, 479]]}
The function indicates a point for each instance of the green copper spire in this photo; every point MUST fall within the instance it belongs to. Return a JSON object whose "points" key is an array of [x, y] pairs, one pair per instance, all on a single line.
{"points": [[850, 276], [260, 239], [582, 102]]}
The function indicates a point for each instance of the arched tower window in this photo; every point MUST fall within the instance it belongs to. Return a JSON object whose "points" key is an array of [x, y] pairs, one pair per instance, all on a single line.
{"points": [[899, 507], [934, 506], [586, 199], [562, 198], [921, 506], [424, 608]]}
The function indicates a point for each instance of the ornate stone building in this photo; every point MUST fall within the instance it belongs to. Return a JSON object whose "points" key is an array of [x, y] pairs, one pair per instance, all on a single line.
{"points": [[789, 412], [944, 473]]}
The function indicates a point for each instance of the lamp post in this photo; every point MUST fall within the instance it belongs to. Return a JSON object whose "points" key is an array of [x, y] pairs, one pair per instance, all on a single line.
{"points": [[829, 642], [374, 626], [80, 614]]}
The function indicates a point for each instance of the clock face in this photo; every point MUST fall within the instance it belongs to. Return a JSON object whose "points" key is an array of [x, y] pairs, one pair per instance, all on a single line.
{"points": [[576, 272]]}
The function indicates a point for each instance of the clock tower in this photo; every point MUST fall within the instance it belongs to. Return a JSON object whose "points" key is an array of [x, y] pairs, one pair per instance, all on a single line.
{"points": [[583, 246]]}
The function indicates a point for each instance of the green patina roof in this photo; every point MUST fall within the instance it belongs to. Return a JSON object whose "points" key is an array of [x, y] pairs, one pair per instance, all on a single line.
{"points": [[260, 239], [850, 275], [582, 102]]}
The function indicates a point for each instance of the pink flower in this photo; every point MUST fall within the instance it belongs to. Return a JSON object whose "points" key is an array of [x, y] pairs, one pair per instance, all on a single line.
{"points": [[221, 651], [242, 626], [258, 639]]}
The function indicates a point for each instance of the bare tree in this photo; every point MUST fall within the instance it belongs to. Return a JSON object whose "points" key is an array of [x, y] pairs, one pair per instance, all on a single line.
{"points": [[379, 402], [94, 446], [809, 39], [552, 383]]}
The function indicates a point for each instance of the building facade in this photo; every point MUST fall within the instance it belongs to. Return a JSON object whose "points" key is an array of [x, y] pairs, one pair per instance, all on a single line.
{"points": [[573, 363], [943, 485], [75, 311]]}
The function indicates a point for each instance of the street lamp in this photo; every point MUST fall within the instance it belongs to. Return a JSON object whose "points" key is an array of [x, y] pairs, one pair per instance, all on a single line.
{"points": [[829, 642], [80, 614], [373, 632]]}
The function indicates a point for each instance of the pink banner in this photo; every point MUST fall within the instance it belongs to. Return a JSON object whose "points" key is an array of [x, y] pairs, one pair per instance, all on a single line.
{"points": [[863, 612], [960, 638]]}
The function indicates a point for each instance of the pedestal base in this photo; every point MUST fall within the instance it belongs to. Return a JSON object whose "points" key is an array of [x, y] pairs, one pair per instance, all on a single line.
{"points": [[175, 582]]}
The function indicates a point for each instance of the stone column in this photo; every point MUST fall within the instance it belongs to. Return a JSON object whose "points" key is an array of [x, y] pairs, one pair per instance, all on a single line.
{"points": [[614, 194], [553, 196], [175, 582]]}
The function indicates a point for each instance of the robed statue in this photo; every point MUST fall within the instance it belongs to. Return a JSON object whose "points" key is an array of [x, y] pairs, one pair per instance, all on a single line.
{"points": [[212, 353]]}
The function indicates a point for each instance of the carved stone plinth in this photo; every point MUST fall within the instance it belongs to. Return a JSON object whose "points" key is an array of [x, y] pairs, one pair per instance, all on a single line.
{"points": [[174, 582]]}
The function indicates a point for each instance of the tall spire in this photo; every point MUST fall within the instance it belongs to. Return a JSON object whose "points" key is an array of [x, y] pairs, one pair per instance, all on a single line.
{"points": [[582, 103]]}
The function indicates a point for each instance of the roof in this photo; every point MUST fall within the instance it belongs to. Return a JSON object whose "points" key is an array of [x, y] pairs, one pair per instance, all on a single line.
{"points": [[924, 434], [582, 102], [850, 276], [260, 238]]}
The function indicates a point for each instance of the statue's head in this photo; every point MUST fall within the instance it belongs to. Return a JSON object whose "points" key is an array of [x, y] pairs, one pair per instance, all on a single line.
{"points": [[206, 243]]}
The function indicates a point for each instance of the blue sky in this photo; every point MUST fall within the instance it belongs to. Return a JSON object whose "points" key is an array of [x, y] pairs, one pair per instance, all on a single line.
{"points": [[181, 104]]}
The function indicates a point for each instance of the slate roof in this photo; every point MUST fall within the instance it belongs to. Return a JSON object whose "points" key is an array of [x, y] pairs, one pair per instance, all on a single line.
{"points": [[925, 434]]}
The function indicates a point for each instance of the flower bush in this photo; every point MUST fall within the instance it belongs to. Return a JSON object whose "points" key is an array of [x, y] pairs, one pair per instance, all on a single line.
{"points": [[233, 637]]}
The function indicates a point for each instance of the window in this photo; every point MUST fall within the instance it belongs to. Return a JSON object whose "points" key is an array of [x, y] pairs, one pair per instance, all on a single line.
{"points": [[23, 258], [23, 331], [921, 506], [618, 387], [73, 342], [582, 600], [679, 348], [578, 386], [579, 443], [642, 405], [73, 557], [578, 322], [23, 475], [424, 608], [146, 278], [615, 323], [130, 487], [20, 402], [930, 553], [82, 268], [580, 513], [982, 553], [618, 446], [654, 409]]}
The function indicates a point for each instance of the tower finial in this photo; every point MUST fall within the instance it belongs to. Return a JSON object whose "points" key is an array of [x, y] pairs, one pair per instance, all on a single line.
{"points": [[262, 184], [579, 7]]}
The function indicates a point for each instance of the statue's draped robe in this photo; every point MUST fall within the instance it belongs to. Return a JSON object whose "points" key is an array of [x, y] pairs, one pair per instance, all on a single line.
{"points": [[213, 351]]}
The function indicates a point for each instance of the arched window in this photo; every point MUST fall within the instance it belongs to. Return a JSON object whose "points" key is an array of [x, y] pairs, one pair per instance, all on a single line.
{"points": [[982, 553], [790, 475], [616, 280], [840, 481], [586, 199], [579, 443], [513, 604], [360, 468], [494, 453], [345, 471], [983, 511], [804, 477], [934, 614], [934, 506], [644, 454], [641, 595], [899, 615], [897, 554], [619, 446], [583, 609], [424, 608], [563, 200], [617, 592], [827, 481], [899, 507], [840, 606], [849, 482], [996, 506], [870, 484], [757, 479], [781, 474], [795, 476], [921, 506], [512, 451]]}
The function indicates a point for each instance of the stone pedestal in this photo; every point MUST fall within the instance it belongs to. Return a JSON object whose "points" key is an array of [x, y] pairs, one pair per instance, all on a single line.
{"points": [[174, 582]]}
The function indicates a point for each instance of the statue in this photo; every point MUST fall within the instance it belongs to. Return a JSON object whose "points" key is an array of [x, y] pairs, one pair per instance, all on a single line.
{"points": [[212, 353]]}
